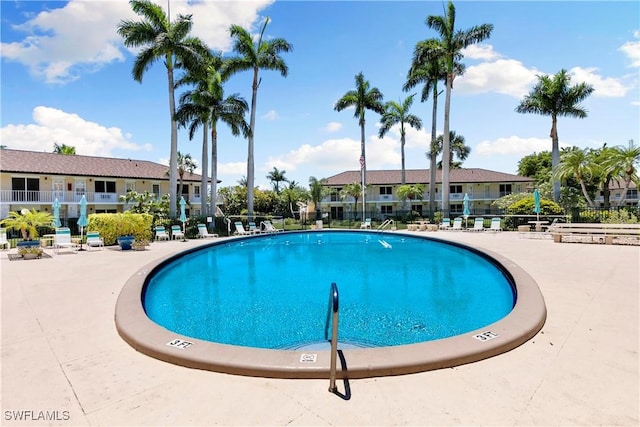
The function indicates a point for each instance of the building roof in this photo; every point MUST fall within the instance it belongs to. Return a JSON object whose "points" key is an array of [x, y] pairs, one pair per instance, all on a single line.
{"points": [[421, 176], [33, 162]]}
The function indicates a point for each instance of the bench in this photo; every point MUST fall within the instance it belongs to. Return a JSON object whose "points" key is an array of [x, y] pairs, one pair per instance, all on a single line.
{"points": [[628, 234]]}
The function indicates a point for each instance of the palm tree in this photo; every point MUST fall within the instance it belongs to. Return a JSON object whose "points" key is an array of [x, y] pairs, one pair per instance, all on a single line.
{"points": [[354, 190], [185, 164], [265, 55], [205, 106], [552, 96], [276, 177], [159, 39], [452, 42], [623, 162], [410, 192], [27, 222], [457, 147], [429, 73], [317, 192], [362, 98], [398, 113], [64, 149], [579, 164]]}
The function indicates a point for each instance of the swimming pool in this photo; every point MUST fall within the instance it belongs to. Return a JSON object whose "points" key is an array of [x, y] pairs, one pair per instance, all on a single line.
{"points": [[271, 291], [423, 351]]}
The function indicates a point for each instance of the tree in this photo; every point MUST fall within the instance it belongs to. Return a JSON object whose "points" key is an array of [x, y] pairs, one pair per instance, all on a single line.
{"points": [[579, 164], [410, 192], [457, 148], [276, 177], [159, 39], [536, 165], [265, 55], [452, 42], [204, 106], [147, 203], [623, 163], [552, 96], [185, 164], [398, 113], [27, 222], [317, 192], [352, 190], [64, 149], [429, 68], [362, 98]]}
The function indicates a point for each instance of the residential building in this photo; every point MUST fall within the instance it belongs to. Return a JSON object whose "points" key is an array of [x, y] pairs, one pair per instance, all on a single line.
{"points": [[481, 186], [33, 180]]}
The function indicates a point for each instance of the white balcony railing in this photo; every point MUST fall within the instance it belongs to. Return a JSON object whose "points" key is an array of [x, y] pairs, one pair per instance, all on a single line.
{"points": [[28, 197]]}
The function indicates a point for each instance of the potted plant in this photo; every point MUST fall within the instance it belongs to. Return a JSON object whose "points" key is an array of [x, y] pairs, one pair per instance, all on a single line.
{"points": [[27, 221], [30, 252], [139, 244]]}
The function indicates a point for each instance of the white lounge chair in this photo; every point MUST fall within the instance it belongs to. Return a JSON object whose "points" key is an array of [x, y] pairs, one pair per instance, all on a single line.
{"points": [[94, 240], [240, 229], [204, 233], [252, 228], [4, 243], [161, 233], [267, 227], [62, 239], [495, 225], [478, 224], [176, 232], [446, 224], [366, 224], [457, 224]]}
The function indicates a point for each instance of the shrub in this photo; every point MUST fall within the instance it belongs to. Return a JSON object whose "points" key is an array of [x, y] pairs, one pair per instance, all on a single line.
{"points": [[112, 226], [619, 217]]}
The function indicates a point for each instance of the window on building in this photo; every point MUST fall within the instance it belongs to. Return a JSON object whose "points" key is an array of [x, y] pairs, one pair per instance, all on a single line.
{"points": [[455, 189], [129, 186], [386, 210], [196, 191], [505, 189], [337, 212], [155, 189], [105, 186], [632, 193], [386, 190], [456, 208], [335, 194], [417, 208], [25, 189]]}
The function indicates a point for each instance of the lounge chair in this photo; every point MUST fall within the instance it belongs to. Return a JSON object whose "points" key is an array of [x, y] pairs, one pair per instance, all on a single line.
{"points": [[267, 227], [161, 233], [446, 224], [457, 224], [94, 240], [62, 239], [176, 232], [366, 224], [253, 229], [495, 225], [240, 229], [478, 224], [4, 243], [204, 233]]}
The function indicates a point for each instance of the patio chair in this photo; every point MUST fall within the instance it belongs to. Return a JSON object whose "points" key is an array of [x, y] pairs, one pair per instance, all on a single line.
{"points": [[240, 229], [495, 225], [62, 239], [457, 224], [478, 224], [94, 240], [161, 233], [204, 233], [253, 229], [4, 243], [446, 224], [176, 232], [366, 224], [267, 227]]}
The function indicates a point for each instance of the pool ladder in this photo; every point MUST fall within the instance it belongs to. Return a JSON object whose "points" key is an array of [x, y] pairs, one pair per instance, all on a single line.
{"points": [[332, 314]]}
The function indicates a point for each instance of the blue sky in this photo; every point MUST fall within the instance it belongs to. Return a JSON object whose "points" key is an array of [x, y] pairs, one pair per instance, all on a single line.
{"points": [[66, 78]]}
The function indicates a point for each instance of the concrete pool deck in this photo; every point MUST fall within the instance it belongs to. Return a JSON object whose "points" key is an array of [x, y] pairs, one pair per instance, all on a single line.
{"points": [[62, 357]]}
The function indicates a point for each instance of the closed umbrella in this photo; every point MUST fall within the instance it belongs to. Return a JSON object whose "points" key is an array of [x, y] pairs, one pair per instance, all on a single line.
{"points": [[536, 203], [82, 219], [183, 216], [56, 213], [465, 208]]}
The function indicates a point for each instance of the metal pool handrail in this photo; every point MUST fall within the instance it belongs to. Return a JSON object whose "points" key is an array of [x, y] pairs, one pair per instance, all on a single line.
{"points": [[333, 313]]}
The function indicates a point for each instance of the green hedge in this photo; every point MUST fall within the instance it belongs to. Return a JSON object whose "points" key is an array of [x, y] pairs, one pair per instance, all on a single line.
{"points": [[112, 226]]}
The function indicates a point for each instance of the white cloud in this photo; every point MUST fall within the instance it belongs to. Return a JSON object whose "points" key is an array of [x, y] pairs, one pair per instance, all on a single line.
{"points": [[481, 51], [632, 50], [232, 168], [56, 126], [505, 76], [333, 127], [603, 86], [61, 44], [513, 145], [271, 115]]}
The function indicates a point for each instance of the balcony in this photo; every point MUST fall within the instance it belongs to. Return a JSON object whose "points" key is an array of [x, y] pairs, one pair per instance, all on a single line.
{"points": [[28, 197]]}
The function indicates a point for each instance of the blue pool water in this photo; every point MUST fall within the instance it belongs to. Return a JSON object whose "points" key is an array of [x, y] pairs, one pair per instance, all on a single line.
{"points": [[272, 291]]}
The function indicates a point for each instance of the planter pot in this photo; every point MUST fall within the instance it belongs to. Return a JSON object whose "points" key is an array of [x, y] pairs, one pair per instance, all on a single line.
{"points": [[30, 256], [125, 242]]}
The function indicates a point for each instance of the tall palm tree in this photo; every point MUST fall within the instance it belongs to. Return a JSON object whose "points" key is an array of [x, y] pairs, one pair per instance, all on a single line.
{"points": [[624, 162], [362, 98], [204, 106], [398, 113], [276, 177], [552, 96], [452, 42], [457, 148], [160, 39], [579, 164], [354, 190], [185, 164], [261, 55]]}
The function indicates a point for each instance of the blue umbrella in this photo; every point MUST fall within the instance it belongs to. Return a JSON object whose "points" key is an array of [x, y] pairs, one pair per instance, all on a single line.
{"points": [[183, 217], [56, 213], [536, 203], [82, 219], [465, 208]]}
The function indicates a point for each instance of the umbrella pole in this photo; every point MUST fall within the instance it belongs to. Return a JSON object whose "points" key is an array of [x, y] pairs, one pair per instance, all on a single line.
{"points": [[183, 237], [81, 235]]}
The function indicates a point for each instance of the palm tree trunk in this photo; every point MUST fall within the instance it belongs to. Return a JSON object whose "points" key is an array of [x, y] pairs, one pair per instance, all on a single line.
{"points": [[585, 193], [173, 156], [214, 169], [252, 125], [555, 157], [433, 160], [364, 166], [205, 168], [446, 150]]}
